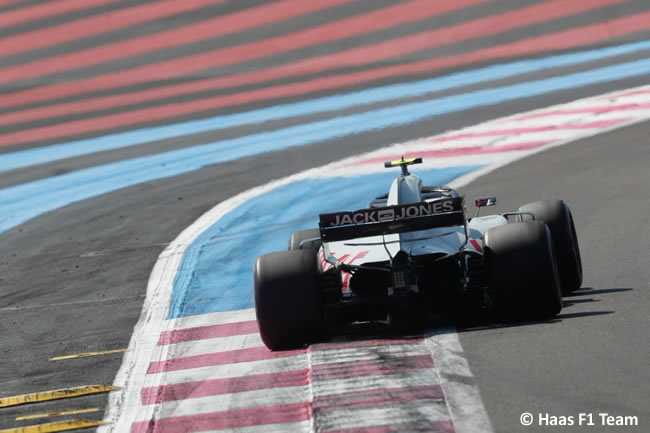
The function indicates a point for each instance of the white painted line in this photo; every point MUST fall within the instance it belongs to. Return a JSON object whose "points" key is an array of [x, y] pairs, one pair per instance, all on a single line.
{"points": [[240, 369], [213, 345], [213, 318], [234, 401], [461, 392]]}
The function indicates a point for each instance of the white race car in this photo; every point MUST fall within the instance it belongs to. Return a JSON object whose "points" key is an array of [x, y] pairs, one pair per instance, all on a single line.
{"points": [[413, 252]]}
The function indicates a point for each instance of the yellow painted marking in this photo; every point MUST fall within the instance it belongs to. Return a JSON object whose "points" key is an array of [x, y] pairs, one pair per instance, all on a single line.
{"points": [[56, 394], [73, 424], [87, 354], [60, 413]]}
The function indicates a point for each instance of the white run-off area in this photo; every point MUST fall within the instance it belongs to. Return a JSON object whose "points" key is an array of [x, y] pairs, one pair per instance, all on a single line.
{"points": [[212, 373]]}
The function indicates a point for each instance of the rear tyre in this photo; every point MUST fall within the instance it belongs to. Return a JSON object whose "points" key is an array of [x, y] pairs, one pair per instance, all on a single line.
{"points": [[298, 237], [557, 216], [287, 299], [522, 271]]}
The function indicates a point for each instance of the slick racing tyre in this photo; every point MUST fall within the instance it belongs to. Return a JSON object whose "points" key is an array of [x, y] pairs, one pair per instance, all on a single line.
{"points": [[522, 271], [557, 216], [298, 237], [287, 299]]}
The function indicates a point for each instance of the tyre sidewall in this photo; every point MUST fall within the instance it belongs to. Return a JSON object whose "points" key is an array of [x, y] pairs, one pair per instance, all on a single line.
{"points": [[557, 216], [522, 270], [287, 298]]}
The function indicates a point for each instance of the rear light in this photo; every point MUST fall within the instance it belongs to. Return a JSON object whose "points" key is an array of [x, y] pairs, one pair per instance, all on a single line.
{"points": [[399, 279]]}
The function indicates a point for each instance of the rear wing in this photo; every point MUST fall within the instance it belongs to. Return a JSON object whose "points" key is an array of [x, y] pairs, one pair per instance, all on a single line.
{"points": [[442, 212]]}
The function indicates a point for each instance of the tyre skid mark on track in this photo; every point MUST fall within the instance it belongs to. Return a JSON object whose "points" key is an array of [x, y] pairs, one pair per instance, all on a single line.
{"points": [[348, 383]]}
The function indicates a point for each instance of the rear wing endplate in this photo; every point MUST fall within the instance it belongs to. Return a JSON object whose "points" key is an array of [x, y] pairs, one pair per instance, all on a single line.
{"points": [[442, 212]]}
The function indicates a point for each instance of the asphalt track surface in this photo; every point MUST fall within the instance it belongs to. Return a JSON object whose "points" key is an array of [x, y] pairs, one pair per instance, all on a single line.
{"points": [[73, 280]]}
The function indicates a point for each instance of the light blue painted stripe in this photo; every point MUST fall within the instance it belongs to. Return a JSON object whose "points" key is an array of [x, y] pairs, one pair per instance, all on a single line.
{"points": [[22, 202], [10, 161], [216, 273]]}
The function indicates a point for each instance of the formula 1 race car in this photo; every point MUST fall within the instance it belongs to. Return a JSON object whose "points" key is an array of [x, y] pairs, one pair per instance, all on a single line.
{"points": [[414, 252]]}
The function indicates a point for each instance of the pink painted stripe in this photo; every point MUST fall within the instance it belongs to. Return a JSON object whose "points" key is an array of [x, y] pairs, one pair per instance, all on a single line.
{"points": [[171, 110], [588, 110], [8, 2], [341, 370], [210, 331], [47, 9], [575, 37], [204, 388], [452, 152], [220, 358], [235, 22], [85, 27], [550, 42], [445, 36], [436, 427], [600, 124], [376, 398], [344, 28], [632, 93], [232, 419]]}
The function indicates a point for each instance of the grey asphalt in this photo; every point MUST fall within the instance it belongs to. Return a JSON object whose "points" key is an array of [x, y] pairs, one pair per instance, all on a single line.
{"points": [[593, 358], [73, 280]]}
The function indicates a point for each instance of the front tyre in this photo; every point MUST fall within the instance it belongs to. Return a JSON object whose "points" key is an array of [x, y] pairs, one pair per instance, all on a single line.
{"points": [[522, 271], [557, 216], [287, 299]]}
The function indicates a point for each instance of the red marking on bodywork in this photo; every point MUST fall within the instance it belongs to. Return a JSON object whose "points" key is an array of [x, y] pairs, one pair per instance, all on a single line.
{"points": [[346, 275], [476, 245]]}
